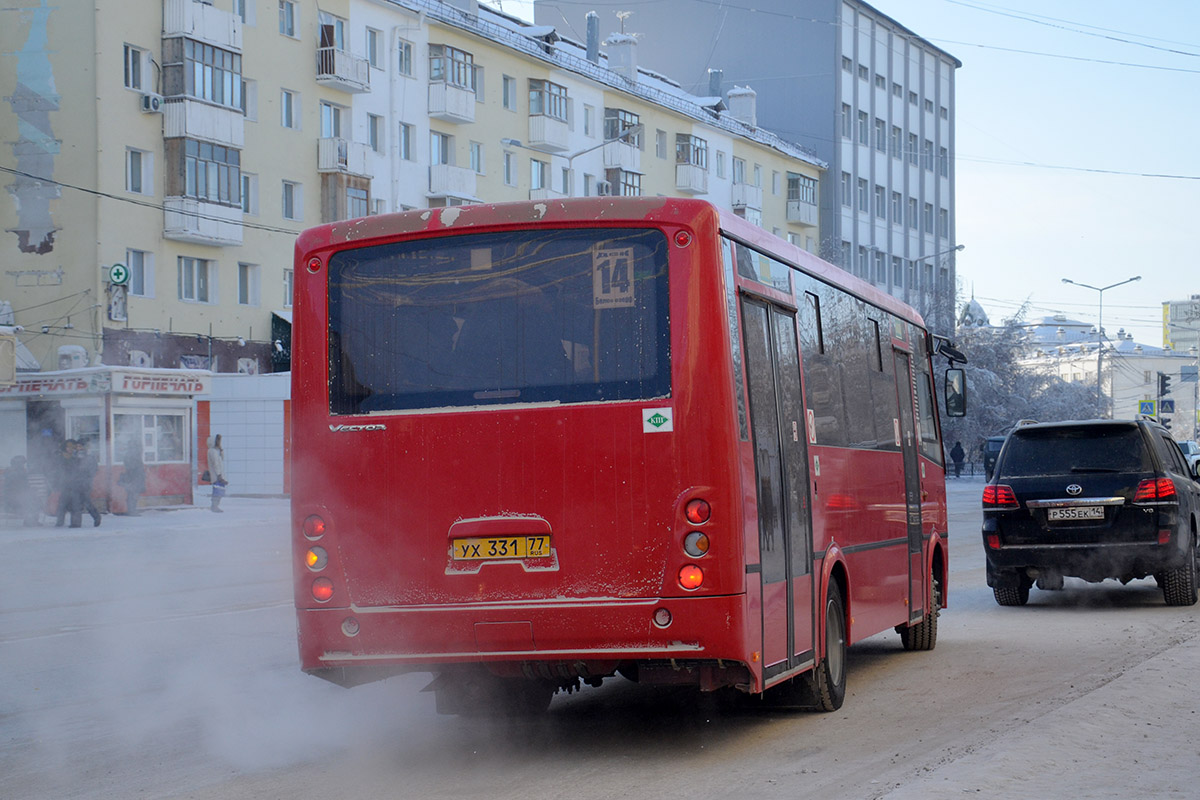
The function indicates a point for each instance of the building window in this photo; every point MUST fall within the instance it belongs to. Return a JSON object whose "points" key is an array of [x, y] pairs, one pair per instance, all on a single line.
{"points": [[758, 176], [141, 272], [739, 170], [721, 164], [212, 74], [880, 81], [864, 128], [249, 194], [691, 150], [943, 162], [897, 271], [897, 90], [548, 99], [617, 121], [846, 194], [373, 47], [880, 202], [801, 188], [927, 154], [880, 135], [864, 197], [293, 205], [624, 183], [249, 284], [897, 138], [508, 91], [565, 177], [847, 121], [357, 202], [913, 153], [134, 57], [196, 279], [943, 113], [660, 143], [452, 66], [929, 106], [539, 174], [476, 158], [404, 58], [863, 72], [943, 223], [897, 208], [289, 109], [242, 10], [847, 64], [333, 31], [406, 142], [331, 121], [287, 18], [927, 218], [589, 121], [861, 265], [212, 172], [139, 172], [510, 170], [289, 282], [375, 132], [440, 148], [880, 269], [250, 99], [912, 98], [912, 213], [776, 181]]}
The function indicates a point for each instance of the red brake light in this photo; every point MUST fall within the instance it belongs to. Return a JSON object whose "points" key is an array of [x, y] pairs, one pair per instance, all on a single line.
{"points": [[322, 590], [999, 496], [697, 512], [691, 576], [1153, 489], [314, 527]]}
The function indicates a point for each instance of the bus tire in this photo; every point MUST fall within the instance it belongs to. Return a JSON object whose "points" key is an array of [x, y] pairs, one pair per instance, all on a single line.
{"points": [[923, 635], [827, 682]]}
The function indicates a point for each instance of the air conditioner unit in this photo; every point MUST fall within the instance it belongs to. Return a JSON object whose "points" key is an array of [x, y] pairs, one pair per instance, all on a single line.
{"points": [[152, 103], [140, 358], [72, 356], [603, 188]]}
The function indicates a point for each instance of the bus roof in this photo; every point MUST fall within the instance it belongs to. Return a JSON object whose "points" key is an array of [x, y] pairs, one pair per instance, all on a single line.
{"points": [[594, 210]]}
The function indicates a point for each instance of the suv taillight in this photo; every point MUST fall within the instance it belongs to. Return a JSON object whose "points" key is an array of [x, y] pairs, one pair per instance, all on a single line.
{"points": [[999, 497], [1155, 489]]}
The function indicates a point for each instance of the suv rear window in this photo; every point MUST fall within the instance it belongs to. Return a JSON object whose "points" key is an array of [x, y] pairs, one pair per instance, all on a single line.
{"points": [[1055, 451]]}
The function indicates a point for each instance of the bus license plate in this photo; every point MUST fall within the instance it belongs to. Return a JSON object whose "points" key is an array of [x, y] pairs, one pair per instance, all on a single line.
{"points": [[501, 547], [1074, 513]]}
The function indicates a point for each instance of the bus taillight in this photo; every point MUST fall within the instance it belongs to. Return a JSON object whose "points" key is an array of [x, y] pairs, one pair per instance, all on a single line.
{"points": [[314, 526], [695, 544], [322, 590], [697, 512], [690, 577]]}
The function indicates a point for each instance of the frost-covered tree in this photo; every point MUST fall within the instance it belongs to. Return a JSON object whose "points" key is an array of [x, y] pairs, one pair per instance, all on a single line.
{"points": [[1000, 392]]}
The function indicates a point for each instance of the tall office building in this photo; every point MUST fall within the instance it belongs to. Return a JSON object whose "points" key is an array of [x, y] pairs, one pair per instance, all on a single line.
{"points": [[869, 96]]}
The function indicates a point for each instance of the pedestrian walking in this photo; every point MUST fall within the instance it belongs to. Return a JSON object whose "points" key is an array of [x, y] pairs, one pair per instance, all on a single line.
{"points": [[216, 472], [957, 454]]}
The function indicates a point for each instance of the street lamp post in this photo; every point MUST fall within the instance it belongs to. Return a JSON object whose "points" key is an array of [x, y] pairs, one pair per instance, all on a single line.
{"points": [[633, 130], [1100, 326], [955, 249]]}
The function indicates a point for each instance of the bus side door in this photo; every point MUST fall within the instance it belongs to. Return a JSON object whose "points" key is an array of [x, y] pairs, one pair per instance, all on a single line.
{"points": [[781, 469], [906, 395]]}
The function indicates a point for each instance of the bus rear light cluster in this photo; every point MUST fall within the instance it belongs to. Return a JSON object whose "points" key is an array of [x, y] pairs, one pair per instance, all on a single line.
{"points": [[322, 590], [999, 497], [695, 543]]}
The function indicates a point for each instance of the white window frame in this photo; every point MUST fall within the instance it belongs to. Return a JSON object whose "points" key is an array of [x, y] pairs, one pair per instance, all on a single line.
{"points": [[508, 93], [289, 18], [404, 144], [249, 284], [289, 109], [477, 156], [375, 133], [510, 170], [140, 264], [289, 285], [293, 194], [139, 171], [250, 194], [371, 45], [404, 58], [197, 280], [137, 60]]}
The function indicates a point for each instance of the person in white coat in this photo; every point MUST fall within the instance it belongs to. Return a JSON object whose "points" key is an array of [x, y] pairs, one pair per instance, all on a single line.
{"points": [[216, 471]]}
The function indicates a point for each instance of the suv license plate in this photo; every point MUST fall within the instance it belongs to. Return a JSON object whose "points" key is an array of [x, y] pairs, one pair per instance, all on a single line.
{"points": [[1075, 512]]}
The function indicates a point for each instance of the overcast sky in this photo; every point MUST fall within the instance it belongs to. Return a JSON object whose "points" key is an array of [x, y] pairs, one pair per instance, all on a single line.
{"points": [[1077, 152]]}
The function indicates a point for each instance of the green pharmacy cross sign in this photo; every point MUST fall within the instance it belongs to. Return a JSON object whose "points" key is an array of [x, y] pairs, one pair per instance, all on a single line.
{"points": [[118, 274]]}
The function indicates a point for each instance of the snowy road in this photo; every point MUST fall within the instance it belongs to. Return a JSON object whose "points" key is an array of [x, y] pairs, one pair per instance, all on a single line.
{"points": [[155, 657]]}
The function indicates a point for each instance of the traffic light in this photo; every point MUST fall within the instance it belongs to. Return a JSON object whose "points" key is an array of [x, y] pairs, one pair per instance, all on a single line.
{"points": [[1164, 384], [1165, 422]]}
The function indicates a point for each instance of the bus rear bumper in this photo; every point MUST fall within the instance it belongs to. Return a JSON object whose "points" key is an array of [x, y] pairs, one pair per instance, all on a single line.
{"points": [[571, 638]]}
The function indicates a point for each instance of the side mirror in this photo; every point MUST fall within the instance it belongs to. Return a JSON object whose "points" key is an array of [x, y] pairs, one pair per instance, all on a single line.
{"points": [[956, 392]]}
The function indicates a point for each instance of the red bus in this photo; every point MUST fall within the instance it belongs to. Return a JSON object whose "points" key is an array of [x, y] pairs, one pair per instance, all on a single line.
{"points": [[539, 444]]}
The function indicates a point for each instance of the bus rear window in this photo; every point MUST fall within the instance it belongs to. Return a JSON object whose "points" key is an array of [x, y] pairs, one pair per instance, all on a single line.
{"points": [[568, 316]]}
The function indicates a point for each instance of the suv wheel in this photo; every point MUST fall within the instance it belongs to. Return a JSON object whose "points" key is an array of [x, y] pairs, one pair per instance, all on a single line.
{"points": [[1179, 584], [1012, 595]]}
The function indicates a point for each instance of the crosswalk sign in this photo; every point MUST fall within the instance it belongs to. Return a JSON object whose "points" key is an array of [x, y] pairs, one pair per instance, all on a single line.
{"points": [[1167, 406], [1146, 408]]}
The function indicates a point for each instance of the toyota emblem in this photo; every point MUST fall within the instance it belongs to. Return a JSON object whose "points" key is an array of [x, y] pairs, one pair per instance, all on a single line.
{"points": [[1074, 489]]}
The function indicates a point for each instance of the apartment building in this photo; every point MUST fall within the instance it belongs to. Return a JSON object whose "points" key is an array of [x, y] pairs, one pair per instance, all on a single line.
{"points": [[162, 155], [871, 98]]}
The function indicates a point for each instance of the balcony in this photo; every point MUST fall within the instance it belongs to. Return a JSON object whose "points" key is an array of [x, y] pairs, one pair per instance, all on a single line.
{"points": [[548, 134], [746, 195], [184, 117], [187, 219], [338, 69], [691, 179], [342, 155], [450, 181], [451, 103], [202, 22], [801, 212], [622, 155], [545, 194]]}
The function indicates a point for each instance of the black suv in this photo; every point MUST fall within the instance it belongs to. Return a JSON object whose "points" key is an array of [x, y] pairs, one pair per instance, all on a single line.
{"points": [[1092, 499]]}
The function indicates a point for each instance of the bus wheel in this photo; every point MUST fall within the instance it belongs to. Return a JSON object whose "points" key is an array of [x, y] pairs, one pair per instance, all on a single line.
{"points": [[923, 635], [828, 680]]}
